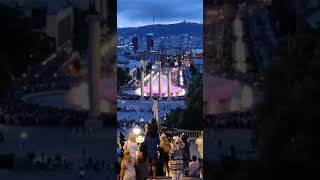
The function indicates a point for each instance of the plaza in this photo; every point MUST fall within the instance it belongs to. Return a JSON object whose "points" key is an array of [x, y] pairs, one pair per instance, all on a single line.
{"points": [[56, 141]]}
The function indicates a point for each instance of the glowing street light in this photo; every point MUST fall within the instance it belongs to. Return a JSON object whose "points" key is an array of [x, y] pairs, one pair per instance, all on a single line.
{"points": [[24, 135], [140, 139], [136, 130]]}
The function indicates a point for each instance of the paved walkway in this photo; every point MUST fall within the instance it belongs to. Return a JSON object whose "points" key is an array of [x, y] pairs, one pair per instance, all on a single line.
{"points": [[11, 175], [239, 138], [101, 146]]}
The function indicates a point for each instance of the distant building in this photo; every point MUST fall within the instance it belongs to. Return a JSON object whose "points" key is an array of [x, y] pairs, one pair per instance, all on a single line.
{"points": [[150, 41], [134, 42], [186, 59], [107, 10], [198, 64], [197, 53], [163, 59], [131, 66], [54, 18], [101, 6], [59, 25], [161, 45]]}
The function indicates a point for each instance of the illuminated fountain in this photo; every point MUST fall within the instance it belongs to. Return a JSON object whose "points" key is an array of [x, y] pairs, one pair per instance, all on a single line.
{"points": [[223, 95], [175, 91], [158, 84], [78, 96]]}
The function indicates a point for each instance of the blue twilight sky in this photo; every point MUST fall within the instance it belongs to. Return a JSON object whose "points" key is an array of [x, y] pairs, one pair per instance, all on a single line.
{"points": [[134, 13]]}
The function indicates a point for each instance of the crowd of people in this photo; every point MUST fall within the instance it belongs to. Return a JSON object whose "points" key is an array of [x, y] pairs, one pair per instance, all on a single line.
{"points": [[43, 161], [19, 112], [49, 162], [233, 120], [45, 77], [131, 105], [40, 77], [124, 96], [159, 154], [132, 110], [125, 124]]}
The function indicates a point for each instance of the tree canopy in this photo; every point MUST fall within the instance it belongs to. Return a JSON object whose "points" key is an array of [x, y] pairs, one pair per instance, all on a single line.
{"points": [[192, 116], [287, 132], [123, 77]]}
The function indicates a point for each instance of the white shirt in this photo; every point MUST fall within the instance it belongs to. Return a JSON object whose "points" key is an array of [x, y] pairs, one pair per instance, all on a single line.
{"points": [[133, 148]]}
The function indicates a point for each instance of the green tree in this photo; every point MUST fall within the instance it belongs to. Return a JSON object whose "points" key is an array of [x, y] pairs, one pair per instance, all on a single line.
{"points": [[193, 69], [123, 77], [192, 116], [288, 135]]}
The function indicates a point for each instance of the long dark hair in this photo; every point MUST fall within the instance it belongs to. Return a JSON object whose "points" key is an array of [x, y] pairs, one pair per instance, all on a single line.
{"points": [[153, 128]]}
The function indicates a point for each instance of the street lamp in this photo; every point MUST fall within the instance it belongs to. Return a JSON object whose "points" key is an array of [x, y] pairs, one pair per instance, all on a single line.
{"points": [[139, 138], [24, 137], [136, 130]]}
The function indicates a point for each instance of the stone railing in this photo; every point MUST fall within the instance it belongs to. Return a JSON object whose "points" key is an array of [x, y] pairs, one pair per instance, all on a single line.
{"points": [[192, 134]]}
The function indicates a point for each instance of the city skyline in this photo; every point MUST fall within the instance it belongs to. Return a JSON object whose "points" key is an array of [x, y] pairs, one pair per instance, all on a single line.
{"points": [[163, 23], [142, 12]]}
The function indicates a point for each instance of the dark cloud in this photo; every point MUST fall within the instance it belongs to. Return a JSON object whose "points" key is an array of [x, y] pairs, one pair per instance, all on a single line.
{"points": [[141, 12]]}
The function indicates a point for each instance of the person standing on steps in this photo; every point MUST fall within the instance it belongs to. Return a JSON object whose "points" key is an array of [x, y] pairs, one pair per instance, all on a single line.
{"points": [[128, 171], [132, 145], [176, 159], [152, 141], [164, 150], [199, 143]]}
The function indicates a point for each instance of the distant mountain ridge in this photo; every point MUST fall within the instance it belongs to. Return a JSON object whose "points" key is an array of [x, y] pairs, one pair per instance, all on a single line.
{"points": [[194, 29]]}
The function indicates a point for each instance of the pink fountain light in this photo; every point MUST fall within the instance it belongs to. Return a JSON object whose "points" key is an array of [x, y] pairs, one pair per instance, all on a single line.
{"points": [[174, 90], [222, 95], [78, 96]]}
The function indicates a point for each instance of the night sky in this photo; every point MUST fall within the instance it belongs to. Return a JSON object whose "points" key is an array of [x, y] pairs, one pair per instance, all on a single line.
{"points": [[134, 13]]}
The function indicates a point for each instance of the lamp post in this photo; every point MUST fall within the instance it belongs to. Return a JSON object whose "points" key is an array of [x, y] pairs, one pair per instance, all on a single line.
{"points": [[150, 93], [142, 85], [24, 137], [136, 132]]}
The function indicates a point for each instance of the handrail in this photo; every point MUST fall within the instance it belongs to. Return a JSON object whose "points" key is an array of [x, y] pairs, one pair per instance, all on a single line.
{"points": [[191, 134]]}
